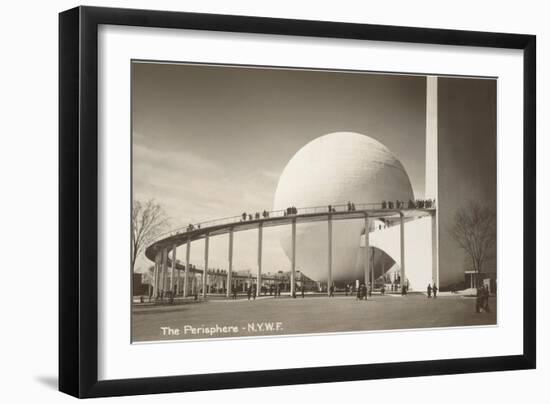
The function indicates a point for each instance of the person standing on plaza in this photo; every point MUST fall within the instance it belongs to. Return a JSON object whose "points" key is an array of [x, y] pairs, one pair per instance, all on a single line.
{"points": [[429, 291], [479, 299], [249, 292], [486, 299], [435, 290]]}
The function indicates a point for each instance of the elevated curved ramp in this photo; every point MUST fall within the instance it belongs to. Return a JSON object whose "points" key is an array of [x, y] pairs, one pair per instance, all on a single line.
{"points": [[304, 215], [166, 242]]}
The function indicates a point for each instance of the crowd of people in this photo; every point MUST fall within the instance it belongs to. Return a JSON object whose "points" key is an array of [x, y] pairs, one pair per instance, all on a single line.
{"points": [[254, 216], [431, 290], [273, 289], [363, 291], [350, 206], [291, 210], [416, 204]]}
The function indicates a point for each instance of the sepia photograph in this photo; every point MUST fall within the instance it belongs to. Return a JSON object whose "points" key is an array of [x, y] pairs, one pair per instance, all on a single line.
{"points": [[271, 201]]}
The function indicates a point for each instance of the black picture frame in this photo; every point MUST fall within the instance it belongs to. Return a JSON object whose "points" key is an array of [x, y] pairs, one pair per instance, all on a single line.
{"points": [[78, 200]]}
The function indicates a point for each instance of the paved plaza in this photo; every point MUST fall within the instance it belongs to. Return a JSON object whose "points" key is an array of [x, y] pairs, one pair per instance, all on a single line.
{"points": [[312, 314]]}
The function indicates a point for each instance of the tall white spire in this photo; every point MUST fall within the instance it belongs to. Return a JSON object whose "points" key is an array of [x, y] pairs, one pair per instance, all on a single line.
{"points": [[430, 190]]}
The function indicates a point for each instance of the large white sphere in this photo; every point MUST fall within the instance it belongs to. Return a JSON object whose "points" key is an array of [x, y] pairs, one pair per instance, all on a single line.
{"points": [[334, 169]]}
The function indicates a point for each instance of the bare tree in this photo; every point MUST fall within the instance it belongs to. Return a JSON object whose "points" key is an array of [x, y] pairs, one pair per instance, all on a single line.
{"points": [[149, 274], [148, 219], [474, 229]]}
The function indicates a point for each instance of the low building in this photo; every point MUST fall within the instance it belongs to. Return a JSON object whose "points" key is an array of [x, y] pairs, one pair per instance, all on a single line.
{"points": [[139, 287]]}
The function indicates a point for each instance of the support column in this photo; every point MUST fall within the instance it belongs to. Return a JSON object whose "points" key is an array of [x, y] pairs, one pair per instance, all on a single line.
{"points": [[174, 270], [178, 281], [205, 272], [329, 276], [164, 270], [230, 269], [367, 250], [402, 245], [293, 261], [187, 269], [435, 251], [372, 271], [383, 256], [160, 274], [259, 274], [156, 275]]}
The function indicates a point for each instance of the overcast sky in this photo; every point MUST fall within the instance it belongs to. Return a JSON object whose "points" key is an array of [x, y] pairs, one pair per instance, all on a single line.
{"points": [[467, 159], [211, 141]]}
